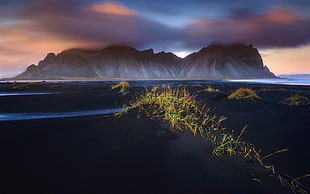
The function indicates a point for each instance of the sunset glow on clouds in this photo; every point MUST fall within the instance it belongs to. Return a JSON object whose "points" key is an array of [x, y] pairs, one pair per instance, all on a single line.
{"points": [[31, 29], [113, 8]]}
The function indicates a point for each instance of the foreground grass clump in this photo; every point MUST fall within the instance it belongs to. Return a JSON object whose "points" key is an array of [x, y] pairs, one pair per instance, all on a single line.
{"points": [[184, 113], [178, 108], [296, 100], [123, 86], [22, 86], [244, 93]]}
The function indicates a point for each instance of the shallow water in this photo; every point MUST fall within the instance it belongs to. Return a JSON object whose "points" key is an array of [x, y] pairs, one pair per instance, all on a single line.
{"points": [[48, 115], [283, 81], [26, 93]]}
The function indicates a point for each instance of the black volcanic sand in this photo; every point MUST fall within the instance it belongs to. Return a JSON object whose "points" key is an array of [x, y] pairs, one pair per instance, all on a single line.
{"points": [[131, 154]]}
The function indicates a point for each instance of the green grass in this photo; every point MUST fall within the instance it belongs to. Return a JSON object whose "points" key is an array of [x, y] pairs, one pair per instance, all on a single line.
{"points": [[244, 94], [296, 100], [184, 113], [177, 107]]}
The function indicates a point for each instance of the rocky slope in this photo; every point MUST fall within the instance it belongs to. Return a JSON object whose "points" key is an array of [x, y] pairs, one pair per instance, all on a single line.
{"points": [[231, 61], [215, 61]]}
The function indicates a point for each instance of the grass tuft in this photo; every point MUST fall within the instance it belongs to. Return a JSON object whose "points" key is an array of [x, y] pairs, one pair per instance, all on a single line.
{"points": [[123, 86], [296, 100], [22, 86], [210, 89], [184, 113], [271, 89], [244, 94]]}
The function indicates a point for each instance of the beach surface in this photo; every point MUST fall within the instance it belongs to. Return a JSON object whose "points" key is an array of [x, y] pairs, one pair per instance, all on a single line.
{"points": [[78, 146]]}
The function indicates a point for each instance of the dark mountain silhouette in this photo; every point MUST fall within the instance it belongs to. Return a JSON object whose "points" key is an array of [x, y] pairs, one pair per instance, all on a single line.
{"points": [[215, 61]]}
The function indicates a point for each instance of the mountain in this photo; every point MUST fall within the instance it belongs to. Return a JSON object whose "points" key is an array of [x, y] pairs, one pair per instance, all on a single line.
{"points": [[230, 61], [214, 61]]}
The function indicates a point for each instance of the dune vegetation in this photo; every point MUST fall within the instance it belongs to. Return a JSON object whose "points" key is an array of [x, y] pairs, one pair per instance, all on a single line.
{"points": [[184, 113], [244, 94], [123, 87], [210, 89], [22, 86], [296, 100], [271, 89]]}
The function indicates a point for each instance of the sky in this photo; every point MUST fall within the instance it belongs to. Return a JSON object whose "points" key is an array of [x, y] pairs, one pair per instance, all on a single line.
{"points": [[280, 29]]}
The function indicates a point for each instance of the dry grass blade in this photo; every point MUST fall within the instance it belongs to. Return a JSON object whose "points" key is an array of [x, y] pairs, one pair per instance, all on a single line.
{"points": [[241, 133], [301, 177], [273, 153]]}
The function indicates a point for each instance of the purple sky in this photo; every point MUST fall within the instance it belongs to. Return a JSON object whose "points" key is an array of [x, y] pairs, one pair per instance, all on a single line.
{"points": [[29, 29]]}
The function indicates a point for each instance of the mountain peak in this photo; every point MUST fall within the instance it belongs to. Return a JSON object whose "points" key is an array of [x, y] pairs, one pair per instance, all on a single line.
{"points": [[214, 61], [119, 48]]}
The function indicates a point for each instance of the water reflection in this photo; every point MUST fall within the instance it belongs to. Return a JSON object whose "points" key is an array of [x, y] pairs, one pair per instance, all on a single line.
{"points": [[28, 116], [26, 93]]}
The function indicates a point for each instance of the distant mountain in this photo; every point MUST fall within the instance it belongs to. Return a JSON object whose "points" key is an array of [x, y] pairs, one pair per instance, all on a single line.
{"points": [[215, 61]]}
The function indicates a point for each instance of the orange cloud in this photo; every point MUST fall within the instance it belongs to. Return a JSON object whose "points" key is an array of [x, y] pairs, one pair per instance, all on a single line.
{"points": [[113, 8], [21, 47], [14, 36], [54, 25], [282, 16]]}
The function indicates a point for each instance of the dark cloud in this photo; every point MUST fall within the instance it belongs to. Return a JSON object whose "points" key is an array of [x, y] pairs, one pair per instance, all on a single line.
{"points": [[214, 8], [77, 22], [279, 28], [13, 4], [31, 28]]}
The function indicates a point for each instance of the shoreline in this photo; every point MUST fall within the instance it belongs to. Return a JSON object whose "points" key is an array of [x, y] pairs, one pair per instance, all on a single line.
{"points": [[274, 81]]}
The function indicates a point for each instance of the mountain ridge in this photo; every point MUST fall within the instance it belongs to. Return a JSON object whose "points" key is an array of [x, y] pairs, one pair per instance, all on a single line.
{"points": [[214, 61]]}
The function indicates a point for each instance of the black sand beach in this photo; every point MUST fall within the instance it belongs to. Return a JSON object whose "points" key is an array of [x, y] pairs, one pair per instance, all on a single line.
{"points": [[132, 154]]}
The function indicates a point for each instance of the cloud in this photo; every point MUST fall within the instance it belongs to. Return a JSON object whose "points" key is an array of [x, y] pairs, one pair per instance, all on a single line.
{"points": [[112, 8], [43, 26], [277, 28], [280, 16], [101, 24], [55, 25], [95, 25]]}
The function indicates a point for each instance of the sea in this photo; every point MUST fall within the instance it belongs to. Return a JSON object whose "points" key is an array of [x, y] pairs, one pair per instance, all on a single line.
{"points": [[281, 81], [303, 81]]}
